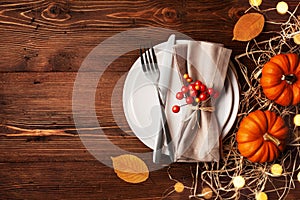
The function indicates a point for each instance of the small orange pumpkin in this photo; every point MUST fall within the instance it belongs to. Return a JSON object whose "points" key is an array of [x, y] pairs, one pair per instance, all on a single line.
{"points": [[261, 136], [281, 79]]}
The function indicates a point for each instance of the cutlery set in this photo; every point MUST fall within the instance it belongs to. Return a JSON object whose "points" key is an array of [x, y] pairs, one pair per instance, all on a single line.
{"points": [[151, 70]]}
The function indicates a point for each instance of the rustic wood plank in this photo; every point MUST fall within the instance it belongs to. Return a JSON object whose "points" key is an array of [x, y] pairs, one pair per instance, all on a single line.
{"points": [[51, 42], [43, 38], [45, 99], [40, 149], [36, 180], [61, 168]]}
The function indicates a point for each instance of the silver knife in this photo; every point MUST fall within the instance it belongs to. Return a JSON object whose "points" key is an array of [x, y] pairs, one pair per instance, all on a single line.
{"points": [[166, 67], [164, 137]]}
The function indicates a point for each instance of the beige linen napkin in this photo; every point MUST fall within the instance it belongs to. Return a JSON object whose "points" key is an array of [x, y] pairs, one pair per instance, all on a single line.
{"points": [[197, 135]]}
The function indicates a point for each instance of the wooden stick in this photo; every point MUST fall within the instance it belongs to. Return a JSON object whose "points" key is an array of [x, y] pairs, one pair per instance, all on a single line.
{"points": [[37, 132]]}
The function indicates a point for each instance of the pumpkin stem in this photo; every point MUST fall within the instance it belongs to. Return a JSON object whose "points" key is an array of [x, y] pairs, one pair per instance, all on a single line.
{"points": [[273, 139], [289, 78]]}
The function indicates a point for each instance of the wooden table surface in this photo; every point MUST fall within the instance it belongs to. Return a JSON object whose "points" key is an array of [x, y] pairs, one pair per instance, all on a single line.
{"points": [[43, 44]]}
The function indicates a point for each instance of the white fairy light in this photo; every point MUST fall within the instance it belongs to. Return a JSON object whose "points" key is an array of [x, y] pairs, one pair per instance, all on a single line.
{"points": [[296, 39], [238, 182], [282, 7], [261, 196], [207, 193], [297, 117], [255, 2], [276, 169], [179, 187]]}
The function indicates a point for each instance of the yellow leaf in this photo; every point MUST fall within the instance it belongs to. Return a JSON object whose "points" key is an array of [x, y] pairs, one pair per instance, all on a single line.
{"points": [[130, 168], [248, 27]]}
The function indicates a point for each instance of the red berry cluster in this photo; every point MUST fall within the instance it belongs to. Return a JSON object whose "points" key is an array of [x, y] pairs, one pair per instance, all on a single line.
{"points": [[194, 93]]}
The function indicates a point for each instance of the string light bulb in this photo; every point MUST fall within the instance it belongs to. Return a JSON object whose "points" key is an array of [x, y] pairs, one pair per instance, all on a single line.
{"points": [[276, 169], [282, 7], [297, 117], [238, 182], [296, 38], [207, 193], [255, 2], [179, 187], [261, 196]]}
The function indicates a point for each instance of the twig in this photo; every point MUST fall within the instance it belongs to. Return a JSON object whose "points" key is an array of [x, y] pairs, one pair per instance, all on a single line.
{"points": [[36, 132]]}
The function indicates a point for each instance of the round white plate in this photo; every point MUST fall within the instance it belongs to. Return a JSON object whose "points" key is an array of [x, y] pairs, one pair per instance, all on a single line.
{"points": [[141, 104], [235, 101]]}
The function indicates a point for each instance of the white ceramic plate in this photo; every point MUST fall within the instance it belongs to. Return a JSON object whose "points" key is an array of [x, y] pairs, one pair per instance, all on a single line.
{"points": [[235, 101], [141, 103]]}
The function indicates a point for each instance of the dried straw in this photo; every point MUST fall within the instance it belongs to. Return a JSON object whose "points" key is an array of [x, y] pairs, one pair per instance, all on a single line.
{"points": [[258, 177]]}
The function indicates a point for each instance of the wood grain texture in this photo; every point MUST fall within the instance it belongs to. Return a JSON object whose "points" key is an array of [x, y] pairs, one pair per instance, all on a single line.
{"points": [[47, 35], [42, 45]]}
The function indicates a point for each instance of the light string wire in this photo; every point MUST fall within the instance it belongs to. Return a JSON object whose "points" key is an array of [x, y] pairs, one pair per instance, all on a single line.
{"points": [[258, 177]]}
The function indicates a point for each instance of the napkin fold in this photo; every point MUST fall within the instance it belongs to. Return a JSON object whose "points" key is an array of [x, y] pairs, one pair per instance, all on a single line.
{"points": [[197, 135]]}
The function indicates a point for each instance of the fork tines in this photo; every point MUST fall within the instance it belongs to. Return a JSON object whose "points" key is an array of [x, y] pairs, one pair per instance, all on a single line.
{"points": [[148, 59]]}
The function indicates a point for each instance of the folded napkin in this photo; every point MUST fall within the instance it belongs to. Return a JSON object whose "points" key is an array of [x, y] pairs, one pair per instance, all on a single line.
{"points": [[196, 133]]}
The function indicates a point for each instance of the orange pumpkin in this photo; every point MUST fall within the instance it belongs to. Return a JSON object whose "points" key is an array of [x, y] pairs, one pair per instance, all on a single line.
{"points": [[261, 136], [281, 79]]}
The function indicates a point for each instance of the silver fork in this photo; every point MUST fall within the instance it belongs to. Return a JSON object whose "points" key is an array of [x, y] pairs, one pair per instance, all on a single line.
{"points": [[152, 73]]}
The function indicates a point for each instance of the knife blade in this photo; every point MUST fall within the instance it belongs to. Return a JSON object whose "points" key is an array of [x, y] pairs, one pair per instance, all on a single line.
{"points": [[164, 144], [166, 67]]}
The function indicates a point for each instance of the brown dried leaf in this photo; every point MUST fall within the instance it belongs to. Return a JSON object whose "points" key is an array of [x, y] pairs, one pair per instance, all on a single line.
{"points": [[130, 168], [248, 27]]}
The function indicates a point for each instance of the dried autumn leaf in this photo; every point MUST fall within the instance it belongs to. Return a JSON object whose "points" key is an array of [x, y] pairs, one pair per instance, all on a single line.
{"points": [[130, 168], [248, 27]]}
